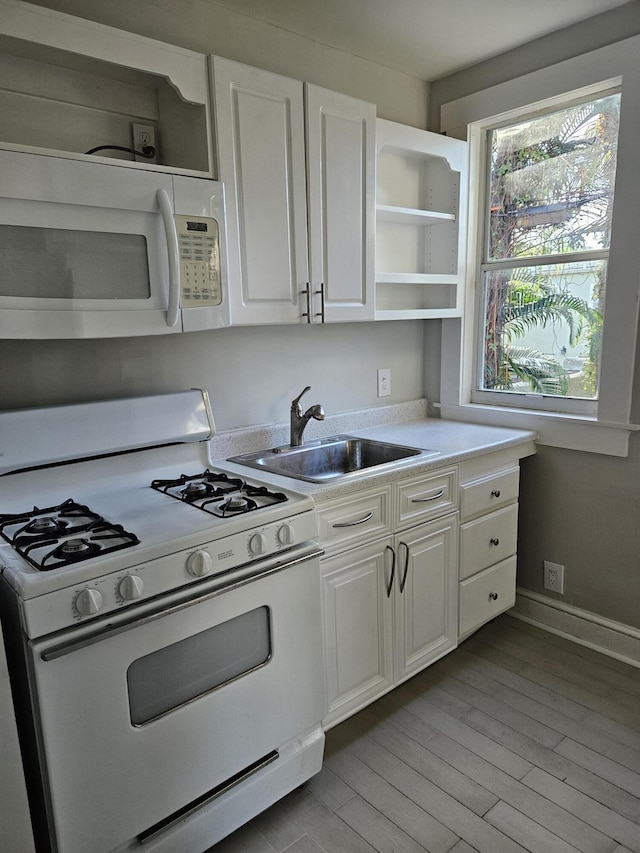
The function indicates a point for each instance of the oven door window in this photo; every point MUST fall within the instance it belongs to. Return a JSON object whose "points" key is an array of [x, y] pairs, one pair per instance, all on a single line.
{"points": [[177, 674]]}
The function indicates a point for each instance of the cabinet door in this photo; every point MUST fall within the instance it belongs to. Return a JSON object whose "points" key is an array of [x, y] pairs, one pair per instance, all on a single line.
{"points": [[426, 602], [341, 187], [358, 627], [260, 140]]}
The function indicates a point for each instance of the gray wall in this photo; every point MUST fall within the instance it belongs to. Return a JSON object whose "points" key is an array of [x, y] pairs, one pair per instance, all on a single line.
{"points": [[577, 509], [251, 373], [209, 27], [608, 28]]}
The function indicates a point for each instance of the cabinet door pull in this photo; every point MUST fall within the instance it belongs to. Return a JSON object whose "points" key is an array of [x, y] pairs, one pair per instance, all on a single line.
{"points": [[321, 293], [426, 500], [306, 292], [406, 566], [393, 570], [367, 517], [495, 493], [493, 596], [494, 541]]}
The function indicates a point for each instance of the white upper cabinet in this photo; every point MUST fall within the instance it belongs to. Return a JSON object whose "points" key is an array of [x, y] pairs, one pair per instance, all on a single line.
{"points": [[300, 207], [341, 194], [421, 206], [261, 156], [69, 85]]}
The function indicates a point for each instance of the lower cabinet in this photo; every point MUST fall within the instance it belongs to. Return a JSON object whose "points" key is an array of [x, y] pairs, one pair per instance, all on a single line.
{"points": [[358, 627], [488, 539], [403, 581], [390, 609], [426, 595]]}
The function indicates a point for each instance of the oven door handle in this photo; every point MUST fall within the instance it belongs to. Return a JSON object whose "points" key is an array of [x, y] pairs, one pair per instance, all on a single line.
{"points": [[241, 577]]}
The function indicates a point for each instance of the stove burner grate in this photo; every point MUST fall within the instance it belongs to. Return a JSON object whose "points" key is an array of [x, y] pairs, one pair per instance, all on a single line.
{"points": [[209, 484], [218, 493], [70, 532]]}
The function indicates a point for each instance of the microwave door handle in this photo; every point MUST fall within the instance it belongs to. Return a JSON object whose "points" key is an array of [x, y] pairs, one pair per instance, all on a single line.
{"points": [[171, 236]]}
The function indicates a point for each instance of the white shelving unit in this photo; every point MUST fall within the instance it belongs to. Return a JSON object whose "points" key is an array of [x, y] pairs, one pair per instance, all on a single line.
{"points": [[68, 85], [420, 223]]}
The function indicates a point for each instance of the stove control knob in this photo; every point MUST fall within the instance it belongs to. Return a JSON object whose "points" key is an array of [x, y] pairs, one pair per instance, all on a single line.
{"points": [[130, 587], [286, 534], [258, 544], [88, 602], [199, 564]]}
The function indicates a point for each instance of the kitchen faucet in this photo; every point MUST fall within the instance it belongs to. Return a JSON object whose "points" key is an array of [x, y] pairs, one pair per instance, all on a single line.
{"points": [[300, 420]]}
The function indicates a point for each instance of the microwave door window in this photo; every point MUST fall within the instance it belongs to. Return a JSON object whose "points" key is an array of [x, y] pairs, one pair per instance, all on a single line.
{"points": [[60, 263]]}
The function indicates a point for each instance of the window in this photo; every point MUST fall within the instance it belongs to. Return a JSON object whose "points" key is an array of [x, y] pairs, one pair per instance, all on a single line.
{"points": [[598, 369], [541, 281]]}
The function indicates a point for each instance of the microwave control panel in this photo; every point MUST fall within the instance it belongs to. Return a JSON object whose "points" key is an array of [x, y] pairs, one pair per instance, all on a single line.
{"points": [[199, 246]]}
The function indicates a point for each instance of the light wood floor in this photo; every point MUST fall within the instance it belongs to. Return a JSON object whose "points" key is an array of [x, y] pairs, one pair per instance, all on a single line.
{"points": [[518, 740]]}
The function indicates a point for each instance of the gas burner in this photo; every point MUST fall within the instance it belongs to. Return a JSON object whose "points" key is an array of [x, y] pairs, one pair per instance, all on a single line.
{"points": [[49, 538], [208, 484], [40, 529], [73, 550], [219, 494], [39, 524], [236, 505], [197, 490], [46, 524]]}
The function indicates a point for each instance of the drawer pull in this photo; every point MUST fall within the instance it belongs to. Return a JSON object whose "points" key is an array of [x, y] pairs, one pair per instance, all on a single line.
{"points": [[494, 541], [425, 500], [493, 596], [393, 570], [495, 493], [367, 517]]}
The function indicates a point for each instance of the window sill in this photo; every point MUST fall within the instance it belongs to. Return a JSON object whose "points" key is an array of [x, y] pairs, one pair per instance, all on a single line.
{"points": [[573, 432]]}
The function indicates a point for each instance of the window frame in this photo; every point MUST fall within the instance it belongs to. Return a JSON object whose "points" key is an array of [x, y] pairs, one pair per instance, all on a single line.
{"points": [[606, 430], [537, 402]]}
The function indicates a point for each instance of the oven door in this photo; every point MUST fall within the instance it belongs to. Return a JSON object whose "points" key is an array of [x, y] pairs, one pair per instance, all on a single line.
{"points": [[154, 715]]}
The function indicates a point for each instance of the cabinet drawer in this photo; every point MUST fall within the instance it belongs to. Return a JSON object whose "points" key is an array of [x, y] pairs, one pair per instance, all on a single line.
{"points": [[351, 521], [425, 497], [487, 594], [489, 493], [487, 540]]}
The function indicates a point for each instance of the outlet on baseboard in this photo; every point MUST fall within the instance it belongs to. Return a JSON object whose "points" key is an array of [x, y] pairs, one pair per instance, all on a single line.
{"points": [[384, 382], [553, 577]]}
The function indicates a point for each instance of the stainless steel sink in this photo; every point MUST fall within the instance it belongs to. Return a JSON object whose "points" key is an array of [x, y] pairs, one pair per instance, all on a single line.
{"points": [[330, 458]]}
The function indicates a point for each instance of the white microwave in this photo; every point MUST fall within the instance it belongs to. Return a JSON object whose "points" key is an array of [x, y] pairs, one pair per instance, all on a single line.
{"points": [[91, 250]]}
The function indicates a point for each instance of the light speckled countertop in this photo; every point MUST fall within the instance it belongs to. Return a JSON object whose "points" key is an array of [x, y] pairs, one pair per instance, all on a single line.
{"points": [[405, 423]]}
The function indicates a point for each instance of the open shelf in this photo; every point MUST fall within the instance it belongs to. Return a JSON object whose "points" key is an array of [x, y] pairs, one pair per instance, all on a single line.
{"points": [[68, 85], [407, 297], [421, 202], [408, 216]]}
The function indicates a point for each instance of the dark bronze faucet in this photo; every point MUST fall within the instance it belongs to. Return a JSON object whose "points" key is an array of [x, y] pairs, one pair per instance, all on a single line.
{"points": [[300, 420]]}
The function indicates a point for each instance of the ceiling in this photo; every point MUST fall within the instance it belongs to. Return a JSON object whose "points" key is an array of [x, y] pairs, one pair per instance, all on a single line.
{"points": [[428, 39]]}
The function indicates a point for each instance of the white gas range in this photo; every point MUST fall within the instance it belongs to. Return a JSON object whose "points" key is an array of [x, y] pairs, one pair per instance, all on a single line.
{"points": [[158, 610]]}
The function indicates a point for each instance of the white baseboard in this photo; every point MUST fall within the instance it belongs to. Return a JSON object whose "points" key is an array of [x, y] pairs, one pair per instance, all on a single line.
{"points": [[604, 635]]}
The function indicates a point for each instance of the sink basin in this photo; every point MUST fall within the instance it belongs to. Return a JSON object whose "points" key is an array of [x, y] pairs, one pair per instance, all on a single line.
{"points": [[330, 458]]}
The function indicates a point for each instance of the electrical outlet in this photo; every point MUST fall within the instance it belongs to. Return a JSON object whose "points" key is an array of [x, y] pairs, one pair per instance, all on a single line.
{"points": [[144, 135], [384, 382], [554, 577]]}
